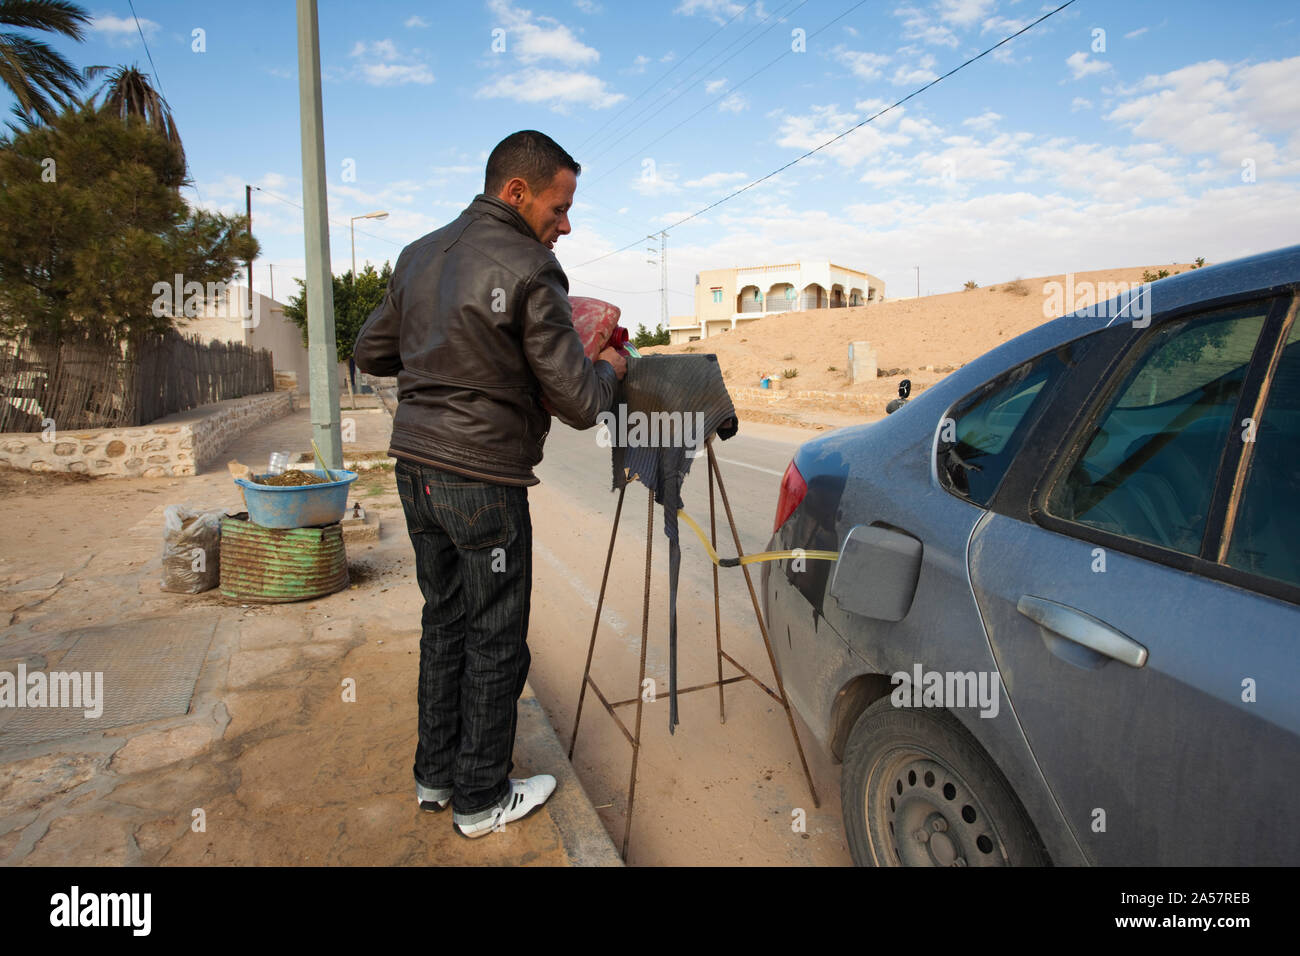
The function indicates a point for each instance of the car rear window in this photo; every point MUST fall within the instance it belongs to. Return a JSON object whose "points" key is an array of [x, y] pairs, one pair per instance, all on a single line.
{"points": [[1266, 533], [1148, 468]]}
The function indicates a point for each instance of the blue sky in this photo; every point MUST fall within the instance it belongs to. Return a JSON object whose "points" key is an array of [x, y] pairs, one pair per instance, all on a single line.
{"points": [[1172, 133]]}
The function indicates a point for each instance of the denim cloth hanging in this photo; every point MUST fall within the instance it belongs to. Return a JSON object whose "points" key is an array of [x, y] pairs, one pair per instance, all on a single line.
{"points": [[692, 386]]}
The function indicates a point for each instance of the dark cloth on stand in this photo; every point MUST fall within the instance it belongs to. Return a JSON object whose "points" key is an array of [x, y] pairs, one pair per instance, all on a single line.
{"points": [[656, 388]]}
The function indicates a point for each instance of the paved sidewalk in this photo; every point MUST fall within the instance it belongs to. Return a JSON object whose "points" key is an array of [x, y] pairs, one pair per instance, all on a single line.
{"points": [[269, 763]]}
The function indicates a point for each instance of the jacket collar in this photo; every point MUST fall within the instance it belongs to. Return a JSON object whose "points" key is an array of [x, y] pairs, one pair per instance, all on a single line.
{"points": [[499, 209]]}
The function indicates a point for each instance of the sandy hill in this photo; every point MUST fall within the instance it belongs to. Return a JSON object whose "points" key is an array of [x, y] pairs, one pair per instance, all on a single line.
{"points": [[923, 339]]}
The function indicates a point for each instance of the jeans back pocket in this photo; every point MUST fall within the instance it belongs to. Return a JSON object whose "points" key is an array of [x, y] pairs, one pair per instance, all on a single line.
{"points": [[473, 513]]}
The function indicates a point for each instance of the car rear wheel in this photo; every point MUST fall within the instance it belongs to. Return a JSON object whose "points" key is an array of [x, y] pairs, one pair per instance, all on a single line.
{"points": [[917, 790]]}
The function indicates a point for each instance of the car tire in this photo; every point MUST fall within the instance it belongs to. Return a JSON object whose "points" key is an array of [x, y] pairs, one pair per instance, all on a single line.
{"points": [[918, 790]]}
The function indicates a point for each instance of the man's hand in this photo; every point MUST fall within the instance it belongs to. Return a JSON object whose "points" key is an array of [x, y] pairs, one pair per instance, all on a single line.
{"points": [[614, 358]]}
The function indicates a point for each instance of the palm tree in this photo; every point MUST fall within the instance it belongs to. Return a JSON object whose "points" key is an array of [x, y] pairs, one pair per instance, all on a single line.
{"points": [[41, 79], [128, 92]]}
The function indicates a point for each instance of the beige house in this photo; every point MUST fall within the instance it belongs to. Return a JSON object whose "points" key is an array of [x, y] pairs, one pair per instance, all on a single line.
{"points": [[725, 298], [227, 319]]}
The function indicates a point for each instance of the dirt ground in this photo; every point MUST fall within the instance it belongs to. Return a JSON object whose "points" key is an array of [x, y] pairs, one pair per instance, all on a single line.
{"points": [[279, 765], [921, 339], [289, 773]]}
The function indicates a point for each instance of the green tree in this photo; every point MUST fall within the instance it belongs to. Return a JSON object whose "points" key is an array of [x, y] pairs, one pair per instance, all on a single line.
{"points": [[645, 338], [127, 92], [354, 300], [92, 220], [40, 78]]}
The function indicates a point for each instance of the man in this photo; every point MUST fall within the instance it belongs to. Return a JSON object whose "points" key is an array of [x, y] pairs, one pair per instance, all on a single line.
{"points": [[477, 328]]}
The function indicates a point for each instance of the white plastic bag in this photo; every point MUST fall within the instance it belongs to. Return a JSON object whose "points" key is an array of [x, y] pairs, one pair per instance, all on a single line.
{"points": [[191, 560]]}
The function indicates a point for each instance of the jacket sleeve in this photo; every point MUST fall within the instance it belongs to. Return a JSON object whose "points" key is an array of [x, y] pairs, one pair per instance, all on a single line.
{"points": [[576, 388], [377, 348]]}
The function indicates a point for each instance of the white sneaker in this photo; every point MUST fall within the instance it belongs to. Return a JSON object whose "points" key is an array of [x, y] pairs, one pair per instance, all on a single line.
{"points": [[432, 799], [524, 797]]}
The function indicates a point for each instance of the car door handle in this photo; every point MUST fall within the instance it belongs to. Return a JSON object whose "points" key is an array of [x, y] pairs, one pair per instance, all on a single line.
{"points": [[1083, 629]]}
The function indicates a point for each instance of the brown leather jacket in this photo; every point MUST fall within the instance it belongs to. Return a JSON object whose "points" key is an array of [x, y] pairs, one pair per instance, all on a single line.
{"points": [[477, 327]]}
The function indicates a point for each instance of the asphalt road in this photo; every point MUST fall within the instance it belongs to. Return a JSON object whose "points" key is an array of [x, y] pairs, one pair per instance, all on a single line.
{"points": [[752, 463], [713, 794]]}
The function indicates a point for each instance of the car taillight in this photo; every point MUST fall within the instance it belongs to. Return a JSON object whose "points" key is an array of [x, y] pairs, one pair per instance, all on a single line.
{"points": [[793, 488]]}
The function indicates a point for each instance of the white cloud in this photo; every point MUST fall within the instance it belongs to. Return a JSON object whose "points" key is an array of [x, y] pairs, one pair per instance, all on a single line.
{"points": [[824, 122], [1079, 103], [964, 13], [588, 6], [715, 86], [416, 21], [921, 72], [378, 49], [1080, 65], [966, 161], [560, 89], [656, 180], [639, 63], [719, 11], [1212, 108], [913, 127], [383, 65], [121, 31], [396, 74], [1005, 26], [1119, 176], [715, 180], [1136, 33], [986, 120], [886, 177], [864, 65], [531, 38], [918, 25], [735, 103]]}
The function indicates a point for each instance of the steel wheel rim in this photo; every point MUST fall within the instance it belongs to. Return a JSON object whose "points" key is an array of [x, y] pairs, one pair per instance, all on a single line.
{"points": [[927, 814]]}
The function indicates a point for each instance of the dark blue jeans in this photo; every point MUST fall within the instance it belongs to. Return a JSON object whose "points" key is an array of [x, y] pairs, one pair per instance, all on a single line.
{"points": [[474, 563]]}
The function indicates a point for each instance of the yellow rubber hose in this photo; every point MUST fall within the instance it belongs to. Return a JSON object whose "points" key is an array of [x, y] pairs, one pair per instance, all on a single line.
{"points": [[754, 558]]}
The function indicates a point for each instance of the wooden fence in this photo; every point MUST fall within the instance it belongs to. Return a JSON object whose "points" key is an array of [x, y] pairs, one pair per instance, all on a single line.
{"points": [[85, 384]]}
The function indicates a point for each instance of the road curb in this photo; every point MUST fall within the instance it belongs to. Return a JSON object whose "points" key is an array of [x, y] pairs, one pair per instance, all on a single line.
{"points": [[585, 839]]}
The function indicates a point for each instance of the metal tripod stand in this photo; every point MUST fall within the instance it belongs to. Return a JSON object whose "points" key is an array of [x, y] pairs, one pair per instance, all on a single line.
{"points": [[634, 736]]}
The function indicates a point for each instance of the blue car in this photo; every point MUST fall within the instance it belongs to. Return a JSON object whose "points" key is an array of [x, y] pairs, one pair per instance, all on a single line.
{"points": [[1064, 624]]}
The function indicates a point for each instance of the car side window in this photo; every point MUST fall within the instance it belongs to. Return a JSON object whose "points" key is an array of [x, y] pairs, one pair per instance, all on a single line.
{"points": [[980, 435], [1265, 537], [1148, 467]]}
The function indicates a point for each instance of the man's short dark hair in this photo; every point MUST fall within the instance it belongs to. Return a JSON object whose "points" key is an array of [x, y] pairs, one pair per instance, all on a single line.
{"points": [[532, 156]]}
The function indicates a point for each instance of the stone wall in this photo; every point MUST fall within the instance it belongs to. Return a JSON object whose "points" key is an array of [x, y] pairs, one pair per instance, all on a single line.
{"points": [[180, 444], [850, 399]]}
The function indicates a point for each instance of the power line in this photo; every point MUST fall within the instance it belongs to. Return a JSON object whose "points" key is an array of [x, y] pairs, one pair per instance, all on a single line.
{"points": [[684, 87], [851, 129], [140, 30], [727, 92], [665, 75], [336, 222], [632, 291], [158, 78]]}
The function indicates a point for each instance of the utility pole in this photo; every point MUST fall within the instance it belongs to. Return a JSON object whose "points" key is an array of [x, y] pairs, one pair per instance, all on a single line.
{"points": [[663, 277], [918, 281], [248, 201], [322, 349], [271, 266], [662, 262]]}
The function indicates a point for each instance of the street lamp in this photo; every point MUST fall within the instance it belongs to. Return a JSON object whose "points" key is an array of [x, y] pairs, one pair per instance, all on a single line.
{"points": [[352, 225]]}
